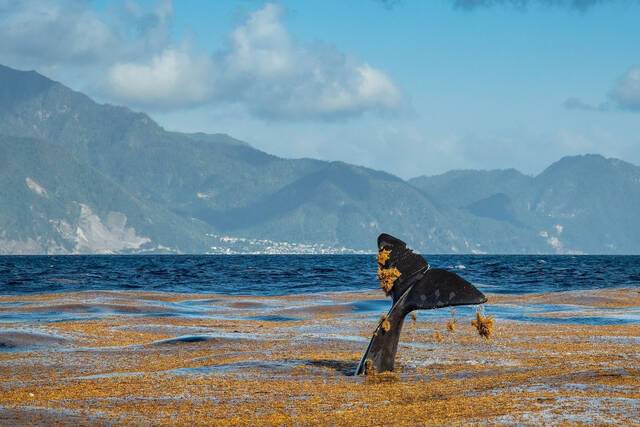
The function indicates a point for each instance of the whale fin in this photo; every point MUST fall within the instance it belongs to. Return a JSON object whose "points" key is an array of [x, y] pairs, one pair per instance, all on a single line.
{"points": [[441, 288]]}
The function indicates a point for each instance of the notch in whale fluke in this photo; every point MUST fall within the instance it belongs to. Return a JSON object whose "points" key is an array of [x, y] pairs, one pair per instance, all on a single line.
{"points": [[412, 285]]}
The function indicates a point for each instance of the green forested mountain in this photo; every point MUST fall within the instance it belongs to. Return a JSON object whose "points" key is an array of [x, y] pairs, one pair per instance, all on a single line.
{"points": [[81, 177]]}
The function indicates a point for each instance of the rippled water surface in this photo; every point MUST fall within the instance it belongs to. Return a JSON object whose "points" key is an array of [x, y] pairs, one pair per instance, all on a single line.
{"points": [[290, 274]]}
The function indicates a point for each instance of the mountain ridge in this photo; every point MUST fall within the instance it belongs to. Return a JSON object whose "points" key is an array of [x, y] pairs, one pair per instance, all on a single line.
{"points": [[83, 177]]}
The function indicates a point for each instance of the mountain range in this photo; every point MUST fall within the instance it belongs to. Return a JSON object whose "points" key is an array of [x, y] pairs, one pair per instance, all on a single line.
{"points": [[77, 176]]}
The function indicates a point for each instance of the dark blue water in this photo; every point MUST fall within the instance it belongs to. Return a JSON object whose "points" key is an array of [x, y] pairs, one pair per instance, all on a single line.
{"points": [[286, 274]]}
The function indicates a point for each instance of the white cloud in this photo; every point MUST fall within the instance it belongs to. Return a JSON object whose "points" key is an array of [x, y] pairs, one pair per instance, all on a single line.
{"points": [[127, 54], [262, 47], [172, 78], [262, 69], [50, 32], [624, 95], [71, 33], [626, 91]]}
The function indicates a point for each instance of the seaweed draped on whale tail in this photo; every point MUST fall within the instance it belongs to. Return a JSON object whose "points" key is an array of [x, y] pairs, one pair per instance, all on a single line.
{"points": [[412, 285]]}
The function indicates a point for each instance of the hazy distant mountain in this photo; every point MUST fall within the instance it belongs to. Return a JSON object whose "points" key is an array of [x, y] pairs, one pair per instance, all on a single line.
{"points": [[80, 177], [460, 188], [580, 204]]}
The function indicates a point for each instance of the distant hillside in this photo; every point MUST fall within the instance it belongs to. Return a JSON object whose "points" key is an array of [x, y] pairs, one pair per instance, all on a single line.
{"points": [[81, 177], [460, 188], [580, 204]]}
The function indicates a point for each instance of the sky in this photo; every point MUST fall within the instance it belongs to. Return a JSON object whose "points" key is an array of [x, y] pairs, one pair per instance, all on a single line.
{"points": [[409, 87]]}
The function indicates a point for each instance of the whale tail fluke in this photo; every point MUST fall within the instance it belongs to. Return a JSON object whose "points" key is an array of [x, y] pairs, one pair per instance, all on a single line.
{"points": [[441, 288], [413, 285]]}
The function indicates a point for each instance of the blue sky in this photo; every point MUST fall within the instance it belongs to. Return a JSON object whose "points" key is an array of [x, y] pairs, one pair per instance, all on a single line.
{"points": [[411, 87]]}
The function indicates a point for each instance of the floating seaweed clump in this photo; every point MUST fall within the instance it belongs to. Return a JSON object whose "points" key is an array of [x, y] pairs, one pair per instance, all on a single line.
{"points": [[369, 369], [484, 325], [385, 324], [437, 337], [452, 323], [374, 376], [383, 256], [383, 378], [387, 277]]}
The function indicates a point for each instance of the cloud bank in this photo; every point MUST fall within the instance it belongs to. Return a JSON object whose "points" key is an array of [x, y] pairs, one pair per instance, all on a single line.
{"points": [[69, 32], [574, 103], [624, 95], [135, 61], [262, 68], [626, 90], [580, 5]]}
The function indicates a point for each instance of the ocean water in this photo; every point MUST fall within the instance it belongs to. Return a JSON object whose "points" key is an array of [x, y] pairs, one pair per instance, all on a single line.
{"points": [[295, 274]]}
